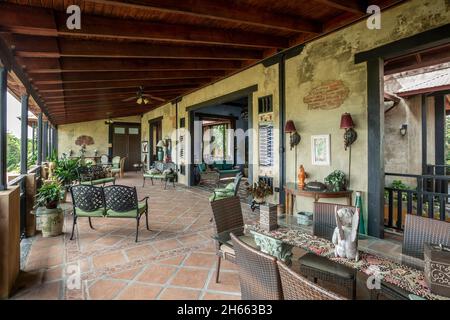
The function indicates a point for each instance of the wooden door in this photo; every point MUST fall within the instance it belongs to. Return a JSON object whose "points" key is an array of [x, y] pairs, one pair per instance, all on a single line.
{"points": [[127, 143], [155, 133]]}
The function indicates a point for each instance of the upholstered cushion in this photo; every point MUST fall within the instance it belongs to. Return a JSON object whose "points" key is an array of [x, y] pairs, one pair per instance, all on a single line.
{"points": [[115, 170], [154, 171], [323, 264], [127, 214], [99, 181], [202, 167], [227, 166], [96, 213]]}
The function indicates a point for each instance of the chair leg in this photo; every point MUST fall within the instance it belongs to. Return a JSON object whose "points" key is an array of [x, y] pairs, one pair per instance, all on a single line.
{"points": [[137, 228], [165, 184], [146, 219], [73, 226], [143, 182], [90, 223], [152, 181], [219, 258]]}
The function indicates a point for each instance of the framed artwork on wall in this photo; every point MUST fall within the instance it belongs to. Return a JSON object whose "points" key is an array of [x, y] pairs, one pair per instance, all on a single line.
{"points": [[320, 150]]}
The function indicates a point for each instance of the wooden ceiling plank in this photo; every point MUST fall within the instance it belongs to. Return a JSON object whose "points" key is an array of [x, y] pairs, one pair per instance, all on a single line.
{"points": [[353, 6], [48, 65], [74, 77], [39, 21], [48, 47], [225, 11]]}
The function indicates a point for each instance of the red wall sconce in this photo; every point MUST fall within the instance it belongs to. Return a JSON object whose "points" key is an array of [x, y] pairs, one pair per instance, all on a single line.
{"points": [[350, 134]]}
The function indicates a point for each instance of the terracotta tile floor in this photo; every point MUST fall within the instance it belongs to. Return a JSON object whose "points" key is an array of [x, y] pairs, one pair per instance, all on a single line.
{"points": [[175, 260]]}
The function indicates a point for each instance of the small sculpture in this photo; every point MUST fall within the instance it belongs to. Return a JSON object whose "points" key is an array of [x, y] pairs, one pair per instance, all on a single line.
{"points": [[345, 236], [301, 177]]}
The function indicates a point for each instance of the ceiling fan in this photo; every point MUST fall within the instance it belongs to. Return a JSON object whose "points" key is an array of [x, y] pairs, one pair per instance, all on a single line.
{"points": [[143, 98]]}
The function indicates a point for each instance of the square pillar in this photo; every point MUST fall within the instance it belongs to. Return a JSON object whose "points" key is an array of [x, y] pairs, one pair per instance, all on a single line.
{"points": [[3, 110], [9, 239], [39, 139]]}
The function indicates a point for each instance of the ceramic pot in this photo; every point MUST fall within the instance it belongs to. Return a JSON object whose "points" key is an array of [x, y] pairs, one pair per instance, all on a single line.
{"points": [[51, 222]]}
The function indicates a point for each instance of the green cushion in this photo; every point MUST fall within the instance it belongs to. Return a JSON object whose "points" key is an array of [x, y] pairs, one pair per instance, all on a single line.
{"points": [[230, 186], [227, 166], [220, 196], [127, 214], [96, 213], [98, 181], [115, 170], [159, 176], [218, 166], [235, 171], [202, 167]]}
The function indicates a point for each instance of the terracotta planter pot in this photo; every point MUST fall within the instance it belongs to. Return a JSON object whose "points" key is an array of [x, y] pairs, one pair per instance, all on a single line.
{"points": [[51, 222]]}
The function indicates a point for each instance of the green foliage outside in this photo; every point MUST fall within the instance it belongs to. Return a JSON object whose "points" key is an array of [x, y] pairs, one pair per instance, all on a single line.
{"points": [[13, 153]]}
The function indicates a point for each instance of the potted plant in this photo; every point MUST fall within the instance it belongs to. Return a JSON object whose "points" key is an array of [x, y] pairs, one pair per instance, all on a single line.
{"points": [[49, 217], [336, 181], [259, 191], [66, 173]]}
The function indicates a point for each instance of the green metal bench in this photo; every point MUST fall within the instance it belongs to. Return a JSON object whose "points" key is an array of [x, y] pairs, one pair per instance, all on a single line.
{"points": [[94, 175], [110, 202], [160, 175]]}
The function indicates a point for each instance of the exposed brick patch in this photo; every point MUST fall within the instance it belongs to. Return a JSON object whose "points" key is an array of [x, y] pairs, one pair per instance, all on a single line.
{"points": [[329, 95]]}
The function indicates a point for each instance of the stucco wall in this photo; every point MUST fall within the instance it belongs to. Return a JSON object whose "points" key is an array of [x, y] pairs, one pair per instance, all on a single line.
{"points": [[98, 130]]}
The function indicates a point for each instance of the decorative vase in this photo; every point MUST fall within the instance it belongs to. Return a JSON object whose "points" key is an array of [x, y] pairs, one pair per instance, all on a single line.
{"points": [[51, 222], [160, 155], [301, 177], [268, 219], [358, 204]]}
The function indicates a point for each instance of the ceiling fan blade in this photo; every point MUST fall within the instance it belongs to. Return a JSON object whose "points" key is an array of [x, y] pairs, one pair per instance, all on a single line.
{"points": [[129, 99], [153, 97]]}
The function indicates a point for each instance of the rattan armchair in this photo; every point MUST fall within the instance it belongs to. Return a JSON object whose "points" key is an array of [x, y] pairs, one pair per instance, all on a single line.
{"points": [[420, 230], [227, 215], [258, 273], [296, 287]]}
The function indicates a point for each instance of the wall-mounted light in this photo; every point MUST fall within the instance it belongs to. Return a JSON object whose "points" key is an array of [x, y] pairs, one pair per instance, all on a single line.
{"points": [[350, 135], [403, 129], [294, 137]]}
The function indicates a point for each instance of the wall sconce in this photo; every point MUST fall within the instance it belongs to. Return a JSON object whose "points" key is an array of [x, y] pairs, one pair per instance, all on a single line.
{"points": [[403, 129], [350, 135], [294, 137]]}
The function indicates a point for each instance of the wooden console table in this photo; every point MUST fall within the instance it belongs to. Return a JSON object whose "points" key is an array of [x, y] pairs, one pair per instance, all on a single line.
{"points": [[292, 191]]}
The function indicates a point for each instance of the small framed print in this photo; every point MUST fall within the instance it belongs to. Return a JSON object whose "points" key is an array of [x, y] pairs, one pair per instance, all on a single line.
{"points": [[320, 150], [144, 146]]}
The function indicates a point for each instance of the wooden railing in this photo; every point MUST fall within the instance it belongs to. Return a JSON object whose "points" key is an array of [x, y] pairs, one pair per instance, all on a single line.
{"points": [[21, 182], [428, 198]]}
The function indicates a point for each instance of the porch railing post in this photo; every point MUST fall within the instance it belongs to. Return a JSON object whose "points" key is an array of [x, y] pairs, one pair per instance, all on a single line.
{"points": [[33, 139], [45, 141], [3, 102], [39, 139], [24, 136], [55, 139]]}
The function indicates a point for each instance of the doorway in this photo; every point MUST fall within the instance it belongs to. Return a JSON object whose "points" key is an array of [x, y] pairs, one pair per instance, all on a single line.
{"points": [[155, 135], [126, 141]]}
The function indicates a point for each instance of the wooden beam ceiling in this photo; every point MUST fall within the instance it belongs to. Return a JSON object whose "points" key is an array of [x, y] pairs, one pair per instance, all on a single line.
{"points": [[170, 47]]}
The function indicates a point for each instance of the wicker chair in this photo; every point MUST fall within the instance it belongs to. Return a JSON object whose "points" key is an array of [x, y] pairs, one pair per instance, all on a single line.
{"points": [[230, 191], [317, 267], [227, 214], [420, 230], [296, 287], [258, 273]]}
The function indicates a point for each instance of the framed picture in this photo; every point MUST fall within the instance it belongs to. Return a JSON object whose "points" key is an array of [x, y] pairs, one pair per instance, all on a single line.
{"points": [[320, 150], [144, 146]]}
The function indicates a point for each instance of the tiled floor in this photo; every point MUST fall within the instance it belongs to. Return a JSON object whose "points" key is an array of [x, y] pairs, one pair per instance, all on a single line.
{"points": [[174, 260]]}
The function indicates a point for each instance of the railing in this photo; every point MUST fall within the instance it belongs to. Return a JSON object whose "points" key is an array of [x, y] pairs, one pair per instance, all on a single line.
{"points": [[21, 182], [427, 199]]}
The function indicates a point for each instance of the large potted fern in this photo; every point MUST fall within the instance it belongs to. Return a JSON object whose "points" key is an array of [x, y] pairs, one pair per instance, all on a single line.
{"points": [[49, 217]]}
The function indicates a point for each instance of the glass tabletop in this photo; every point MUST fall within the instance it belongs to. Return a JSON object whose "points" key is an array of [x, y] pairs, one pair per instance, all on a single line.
{"points": [[389, 249]]}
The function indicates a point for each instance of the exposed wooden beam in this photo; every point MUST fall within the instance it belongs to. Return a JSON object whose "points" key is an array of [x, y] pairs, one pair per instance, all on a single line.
{"points": [[85, 93], [39, 21], [118, 84], [72, 77], [109, 96], [48, 65], [410, 62], [223, 10], [49, 47], [353, 6], [424, 91], [94, 100]]}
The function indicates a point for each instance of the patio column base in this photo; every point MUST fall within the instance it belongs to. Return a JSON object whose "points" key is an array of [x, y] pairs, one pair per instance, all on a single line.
{"points": [[9, 239]]}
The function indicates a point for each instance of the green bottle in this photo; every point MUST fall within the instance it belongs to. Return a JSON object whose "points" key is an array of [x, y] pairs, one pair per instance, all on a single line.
{"points": [[358, 204]]}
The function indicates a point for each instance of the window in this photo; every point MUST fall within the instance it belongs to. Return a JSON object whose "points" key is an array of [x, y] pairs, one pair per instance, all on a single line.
{"points": [[265, 104], [119, 130], [266, 145], [133, 130], [215, 148]]}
